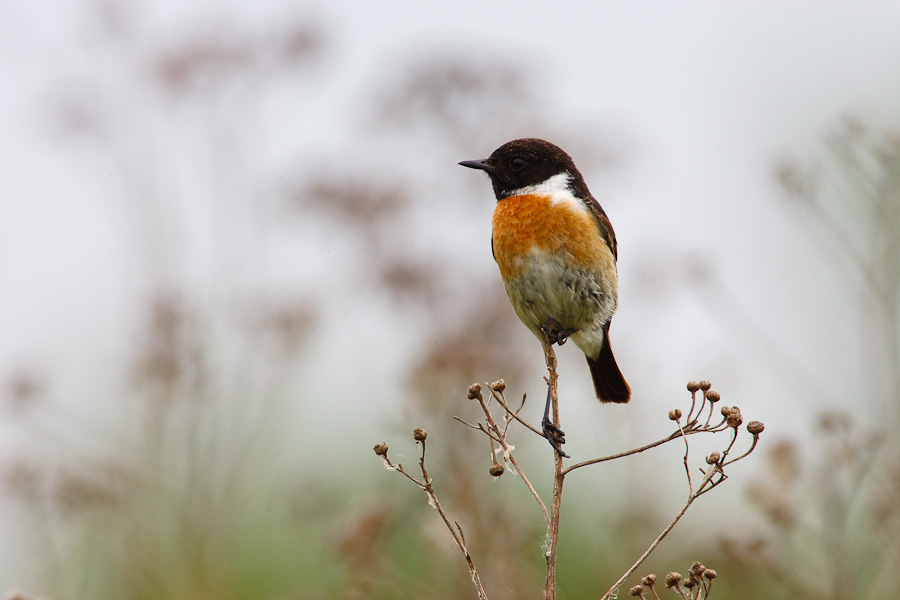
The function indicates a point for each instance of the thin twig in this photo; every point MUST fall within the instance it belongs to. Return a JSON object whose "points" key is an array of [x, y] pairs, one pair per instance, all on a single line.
{"points": [[515, 464], [673, 436], [500, 437], [689, 429], [703, 402], [693, 402], [457, 533], [709, 474], [687, 469], [472, 425], [515, 413], [733, 440], [752, 447]]}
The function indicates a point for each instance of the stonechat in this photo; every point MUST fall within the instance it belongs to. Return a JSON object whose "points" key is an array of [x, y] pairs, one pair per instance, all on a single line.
{"points": [[556, 250]]}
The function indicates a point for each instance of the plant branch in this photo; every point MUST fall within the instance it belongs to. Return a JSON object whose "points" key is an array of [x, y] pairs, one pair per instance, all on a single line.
{"points": [[672, 436], [501, 400], [558, 478], [707, 477], [494, 432], [426, 486]]}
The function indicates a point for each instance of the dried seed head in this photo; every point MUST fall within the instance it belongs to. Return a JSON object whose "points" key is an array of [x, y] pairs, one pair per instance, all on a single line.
{"points": [[697, 568], [672, 578], [474, 392], [713, 396], [496, 470], [649, 579], [705, 385], [725, 410], [693, 386], [380, 449], [755, 427], [675, 414], [734, 419], [710, 574], [689, 583], [420, 434], [637, 591], [712, 459], [498, 386]]}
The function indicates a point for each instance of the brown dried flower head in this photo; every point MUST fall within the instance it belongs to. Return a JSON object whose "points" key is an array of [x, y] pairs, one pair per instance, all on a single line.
{"points": [[705, 385], [734, 419], [675, 414], [649, 579], [693, 386], [420, 434], [755, 427], [673, 578], [637, 591], [496, 470], [710, 574], [474, 392], [712, 459], [713, 396], [499, 385], [380, 449]]}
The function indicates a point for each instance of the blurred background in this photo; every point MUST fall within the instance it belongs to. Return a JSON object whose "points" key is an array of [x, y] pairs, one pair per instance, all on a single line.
{"points": [[236, 251]]}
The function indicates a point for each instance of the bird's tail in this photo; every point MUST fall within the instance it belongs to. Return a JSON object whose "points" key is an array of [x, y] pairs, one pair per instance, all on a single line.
{"points": [[609, 383]]}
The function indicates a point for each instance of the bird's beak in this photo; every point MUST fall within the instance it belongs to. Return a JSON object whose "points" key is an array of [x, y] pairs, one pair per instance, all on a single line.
{"points": [[482, 165]]}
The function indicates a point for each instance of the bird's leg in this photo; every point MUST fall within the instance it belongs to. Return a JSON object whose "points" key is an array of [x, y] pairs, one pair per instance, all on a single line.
{"points": [[555, 333], [554, 435]]}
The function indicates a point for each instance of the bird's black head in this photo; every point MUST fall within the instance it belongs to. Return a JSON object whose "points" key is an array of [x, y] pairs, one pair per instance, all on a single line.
{"points": [[527, 162]]}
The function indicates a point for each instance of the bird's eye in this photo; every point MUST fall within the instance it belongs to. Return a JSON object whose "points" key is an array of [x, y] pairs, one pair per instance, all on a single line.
{"points": [[517, 163]]}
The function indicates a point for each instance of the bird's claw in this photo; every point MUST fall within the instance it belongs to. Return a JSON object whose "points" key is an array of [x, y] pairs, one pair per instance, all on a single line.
{"points": [[554, 435], [555, 333]]}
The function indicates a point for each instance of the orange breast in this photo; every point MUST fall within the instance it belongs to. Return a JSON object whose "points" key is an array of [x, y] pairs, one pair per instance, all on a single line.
{"points": [[532, 222]]}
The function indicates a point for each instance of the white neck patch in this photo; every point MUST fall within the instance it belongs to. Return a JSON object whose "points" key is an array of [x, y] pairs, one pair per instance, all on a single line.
{"points": [[557, 187]]}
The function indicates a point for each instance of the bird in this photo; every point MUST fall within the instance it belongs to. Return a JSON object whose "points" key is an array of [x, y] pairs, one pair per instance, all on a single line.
{"points": [[557, 252]]}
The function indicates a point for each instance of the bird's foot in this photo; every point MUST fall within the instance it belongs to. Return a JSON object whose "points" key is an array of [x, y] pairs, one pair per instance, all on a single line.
{"points": [[555, 333], [554, 435]]}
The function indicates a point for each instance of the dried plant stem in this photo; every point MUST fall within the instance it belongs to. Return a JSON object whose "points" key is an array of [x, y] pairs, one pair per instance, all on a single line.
{"points": [[458, 537], [681, 432], [553, 531], [693, 494], [514, 413], [537, 497], [594, 461], [507, 449], [454, 528], [494, 432], [558, 478]]}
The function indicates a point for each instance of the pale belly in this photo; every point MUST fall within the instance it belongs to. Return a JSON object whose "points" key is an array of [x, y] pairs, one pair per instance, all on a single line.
{"points": [[577, 298]]}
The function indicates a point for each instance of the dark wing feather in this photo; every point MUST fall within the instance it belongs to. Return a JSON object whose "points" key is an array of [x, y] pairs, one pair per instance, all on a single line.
{"points": [[603, 225]]}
